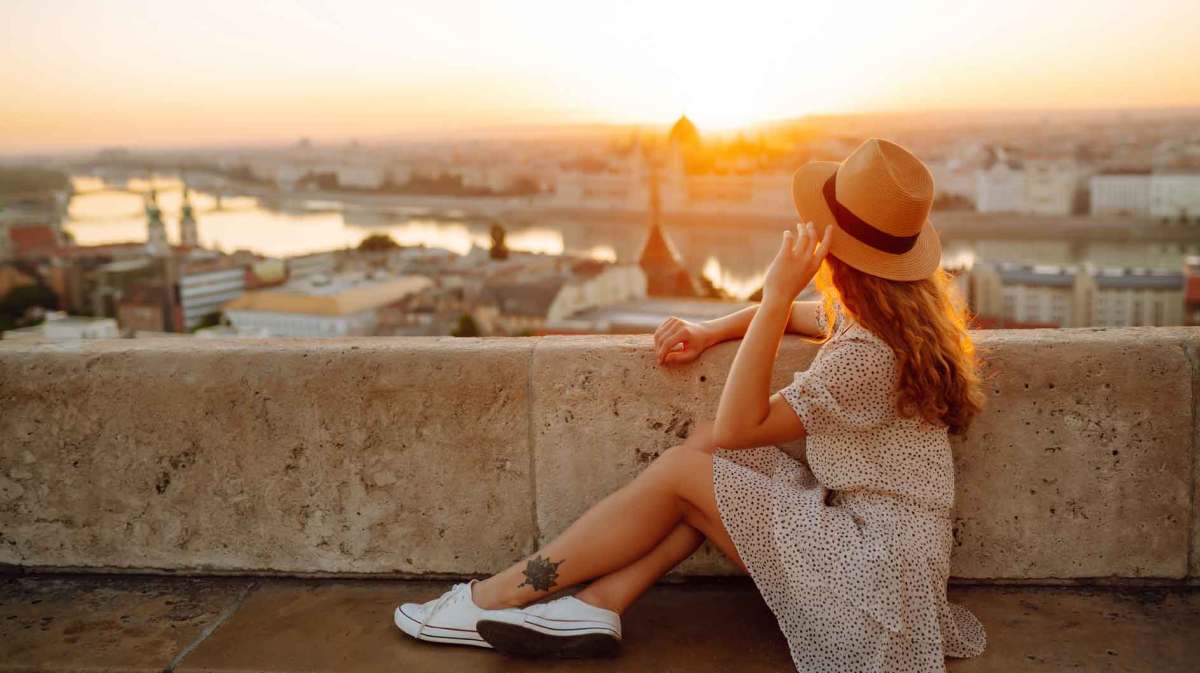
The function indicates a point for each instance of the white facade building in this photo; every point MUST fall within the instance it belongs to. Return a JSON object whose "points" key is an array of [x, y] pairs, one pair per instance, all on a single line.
{"points": [[303, 266], [601, 191], [1119, 297], [1175, 195], [1077, 296], [1037, 294], [204, 291], [766, 194], [1035, 186], [1120, 193], [1000, 189], [1050, 186], [361, 177]]}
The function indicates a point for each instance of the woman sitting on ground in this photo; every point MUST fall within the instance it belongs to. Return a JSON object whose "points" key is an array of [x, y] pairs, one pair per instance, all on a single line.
{"points": [[850, 543]]}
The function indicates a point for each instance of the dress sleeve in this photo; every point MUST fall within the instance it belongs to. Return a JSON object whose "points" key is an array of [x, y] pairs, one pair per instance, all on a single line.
{"points": [[822, 324], [820, 315], [850, 387]]}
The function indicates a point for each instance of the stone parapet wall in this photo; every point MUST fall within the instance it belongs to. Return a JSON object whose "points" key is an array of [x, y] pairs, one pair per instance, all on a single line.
{"points": [[415, 456]]}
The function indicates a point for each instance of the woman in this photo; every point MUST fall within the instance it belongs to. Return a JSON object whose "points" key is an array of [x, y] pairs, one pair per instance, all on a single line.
{"points": [[850, 546]]}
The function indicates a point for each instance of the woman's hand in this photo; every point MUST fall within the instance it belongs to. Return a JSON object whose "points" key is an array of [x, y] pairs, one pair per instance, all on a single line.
{"points": [[797, 262], [673, 331]]}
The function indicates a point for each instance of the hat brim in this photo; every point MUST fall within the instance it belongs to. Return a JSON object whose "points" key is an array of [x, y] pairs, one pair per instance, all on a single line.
{"points": [[917, 263]]}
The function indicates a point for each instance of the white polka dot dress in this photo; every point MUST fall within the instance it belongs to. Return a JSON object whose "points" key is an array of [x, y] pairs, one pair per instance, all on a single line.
{"points": [[850, 547]]}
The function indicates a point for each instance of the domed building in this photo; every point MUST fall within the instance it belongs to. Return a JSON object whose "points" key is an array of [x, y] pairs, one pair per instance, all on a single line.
{"points": [[684, 134]]}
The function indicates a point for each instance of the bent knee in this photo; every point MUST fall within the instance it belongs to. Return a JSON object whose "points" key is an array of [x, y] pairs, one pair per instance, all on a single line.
{"points": [[679, 459], [702, 438]]}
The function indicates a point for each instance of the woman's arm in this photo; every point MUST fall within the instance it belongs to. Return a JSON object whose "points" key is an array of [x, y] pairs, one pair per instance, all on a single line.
{"points": [[748, 414], [695, 338], [801, 320]]}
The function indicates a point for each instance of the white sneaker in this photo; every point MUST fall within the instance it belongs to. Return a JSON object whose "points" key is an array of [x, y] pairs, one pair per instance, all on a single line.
{"points": [[449, 619], [563, 627]]}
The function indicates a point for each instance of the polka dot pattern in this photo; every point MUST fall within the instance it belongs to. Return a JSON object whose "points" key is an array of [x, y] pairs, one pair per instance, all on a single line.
{"points": [[850, 547]]}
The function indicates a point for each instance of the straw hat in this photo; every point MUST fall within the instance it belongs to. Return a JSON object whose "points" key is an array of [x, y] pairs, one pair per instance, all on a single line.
{"points": [[878, 202]]}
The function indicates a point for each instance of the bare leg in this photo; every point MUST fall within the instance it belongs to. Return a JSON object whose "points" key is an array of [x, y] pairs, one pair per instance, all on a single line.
{"points": [[617, 531], [618, 590]]}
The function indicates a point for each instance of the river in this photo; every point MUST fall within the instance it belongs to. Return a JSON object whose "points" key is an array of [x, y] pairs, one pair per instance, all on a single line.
{"points": [[106, 213], [732, 257]]}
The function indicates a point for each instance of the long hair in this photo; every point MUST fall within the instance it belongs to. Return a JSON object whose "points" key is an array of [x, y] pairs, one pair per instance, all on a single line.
{"points": [[925, 323]]}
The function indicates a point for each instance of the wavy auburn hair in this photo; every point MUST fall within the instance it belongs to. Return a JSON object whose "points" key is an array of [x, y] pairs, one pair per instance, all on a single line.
{"points": [[925, 323]]}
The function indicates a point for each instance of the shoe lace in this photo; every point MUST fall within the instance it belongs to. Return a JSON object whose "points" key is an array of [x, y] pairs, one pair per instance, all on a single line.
{"points": [[449, 598]]}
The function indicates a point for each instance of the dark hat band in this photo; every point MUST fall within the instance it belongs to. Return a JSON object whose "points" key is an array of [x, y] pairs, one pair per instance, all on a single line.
{"points": [[860, 229]]}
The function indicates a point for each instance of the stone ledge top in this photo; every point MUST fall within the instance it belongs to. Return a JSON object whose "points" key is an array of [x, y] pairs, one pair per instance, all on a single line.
{"points": [[1139, 335]]}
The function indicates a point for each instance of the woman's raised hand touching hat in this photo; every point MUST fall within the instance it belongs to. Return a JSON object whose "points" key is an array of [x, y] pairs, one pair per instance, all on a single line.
{"points": [[797, 261]]}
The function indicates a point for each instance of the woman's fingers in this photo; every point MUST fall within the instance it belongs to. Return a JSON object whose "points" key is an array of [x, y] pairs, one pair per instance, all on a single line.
{"points": [[826, 239], [661, 348], [685, 354], [663, 329], [788, 244], [672, 337], [821, 250], [682, 356]]}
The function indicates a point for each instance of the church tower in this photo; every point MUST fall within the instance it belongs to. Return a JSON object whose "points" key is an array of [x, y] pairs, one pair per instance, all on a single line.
{"points": [[188, 235], [665, 274], [156, 231]]}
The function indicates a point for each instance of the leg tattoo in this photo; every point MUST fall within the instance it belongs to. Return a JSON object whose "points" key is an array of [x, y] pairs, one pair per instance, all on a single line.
{"points": [[540, 573]]}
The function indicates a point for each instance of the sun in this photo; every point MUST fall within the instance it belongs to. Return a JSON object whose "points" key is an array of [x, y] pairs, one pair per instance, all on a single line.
{"points": [[713, 112]]}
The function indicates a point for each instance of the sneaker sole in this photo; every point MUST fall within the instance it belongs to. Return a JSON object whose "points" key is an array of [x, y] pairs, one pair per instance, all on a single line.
{"points": [[526, 642], [442, 636]]}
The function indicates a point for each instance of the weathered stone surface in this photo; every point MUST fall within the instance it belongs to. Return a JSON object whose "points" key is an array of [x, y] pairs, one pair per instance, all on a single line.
{"points": [[603, 409], [1191, 348], [1050, 630], [438, 455], [361, 455], [302, 627], [1081, 464], [108, 623], [65, 624]]}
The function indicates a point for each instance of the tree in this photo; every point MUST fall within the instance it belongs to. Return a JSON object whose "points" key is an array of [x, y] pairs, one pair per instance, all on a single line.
{"points": [[20, 299], [210, 319], [378, 243], [27, 179], [498, 249], [524, 186], [25, 305], [466, 327]]}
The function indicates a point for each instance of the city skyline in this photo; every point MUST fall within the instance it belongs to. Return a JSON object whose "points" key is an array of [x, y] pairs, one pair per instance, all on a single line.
{"points": [[142, 75]]}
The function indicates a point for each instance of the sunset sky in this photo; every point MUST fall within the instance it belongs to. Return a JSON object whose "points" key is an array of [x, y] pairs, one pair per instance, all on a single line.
{"points": [[90, 73]]}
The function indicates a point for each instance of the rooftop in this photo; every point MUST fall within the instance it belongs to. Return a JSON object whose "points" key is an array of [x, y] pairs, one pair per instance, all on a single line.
{"points": [[339, 295]]}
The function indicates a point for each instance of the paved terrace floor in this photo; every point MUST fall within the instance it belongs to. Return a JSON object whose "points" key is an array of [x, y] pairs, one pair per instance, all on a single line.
{"points": [[112, 623]]}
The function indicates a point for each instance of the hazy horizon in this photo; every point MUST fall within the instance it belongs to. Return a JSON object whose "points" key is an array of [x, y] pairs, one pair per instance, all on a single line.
{"points": [[142, 75]]}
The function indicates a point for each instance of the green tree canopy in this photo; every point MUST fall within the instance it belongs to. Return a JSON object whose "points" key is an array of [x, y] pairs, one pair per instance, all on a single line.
{"points": [[377, 243], [29, 179], [466, 327]]}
